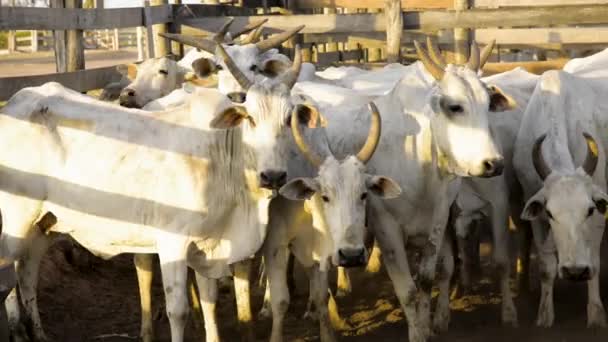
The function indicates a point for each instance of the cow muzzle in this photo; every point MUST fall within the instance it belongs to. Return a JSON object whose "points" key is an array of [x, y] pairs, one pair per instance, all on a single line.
{"points": [[493, 167], [237, 97], [273, 179], [576, 273], [127, 98], [352, 257]]}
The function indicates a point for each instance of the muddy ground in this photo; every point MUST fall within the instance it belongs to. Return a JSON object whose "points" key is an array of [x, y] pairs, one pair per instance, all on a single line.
{"points": [[100, 303]]}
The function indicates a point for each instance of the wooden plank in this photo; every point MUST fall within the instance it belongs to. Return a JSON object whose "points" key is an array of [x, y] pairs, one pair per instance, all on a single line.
{"points": [[427, 20], [149, 32], [161, 45], [81, 80], [74, 43], [327, 58], [60, 41], [405, 4], [32, 18], [461, 36], [537, 36], [529, 3]]}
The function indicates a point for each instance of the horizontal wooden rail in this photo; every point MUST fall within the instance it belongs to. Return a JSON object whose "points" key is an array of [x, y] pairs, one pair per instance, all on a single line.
{"points": [[82, 80], [32, 18], [405, 4], [427, 20], [513, 3]]}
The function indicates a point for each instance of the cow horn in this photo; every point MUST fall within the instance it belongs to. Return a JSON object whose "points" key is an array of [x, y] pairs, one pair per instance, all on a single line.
{"points": [[367, 151], [252, 37], [429, 64], [299, 139], [538, 160], [249, 28], [219, 36], [434, 53], [591, 159], [485, 53], [473, 62], [278, 39], [233, 68], [203, 44], [291, 76]]}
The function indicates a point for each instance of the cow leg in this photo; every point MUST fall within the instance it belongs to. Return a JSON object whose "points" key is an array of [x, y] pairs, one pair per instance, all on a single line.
{"points": [[344, 285], [143, 266], [13, 312], [174, 269], [311, 312], [320, 292], [27, 269], [242, 271], [208, 289], [548, 270], [276, 266], [441, 319], [390, 240], [374, 263], [596, 315], [265, 312]]}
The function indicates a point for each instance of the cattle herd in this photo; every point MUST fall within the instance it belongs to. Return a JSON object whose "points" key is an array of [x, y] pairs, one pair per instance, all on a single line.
{"points": [[281, 162]]}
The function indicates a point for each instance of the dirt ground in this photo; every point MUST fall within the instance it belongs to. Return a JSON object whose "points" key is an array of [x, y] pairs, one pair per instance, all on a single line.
{"points": [[100, 303]]}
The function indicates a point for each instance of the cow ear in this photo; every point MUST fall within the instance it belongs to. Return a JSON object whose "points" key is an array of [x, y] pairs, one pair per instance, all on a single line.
{"points": [[204, 67], [600, 199], [534, 207], [499, 101], [128, 70], [300, 189], [273, 68], [231, 117], [383, 187], [310, 116]]}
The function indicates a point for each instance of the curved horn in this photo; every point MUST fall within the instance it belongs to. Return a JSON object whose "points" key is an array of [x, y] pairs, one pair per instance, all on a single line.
{"points": [[203, 44], [540, 165], [485, 53], [291, 76], [249, 28], [253, 37], [299, 139], [219, 36], [367, 151], [277, 40], [430, 66], [473, 62], [233, 68], [592, 154], [434, 53]]}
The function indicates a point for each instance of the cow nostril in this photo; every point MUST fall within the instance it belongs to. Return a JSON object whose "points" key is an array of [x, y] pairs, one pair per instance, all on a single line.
{"points": [[493, 167], [264, 177], [131, 93], [238, 97]]}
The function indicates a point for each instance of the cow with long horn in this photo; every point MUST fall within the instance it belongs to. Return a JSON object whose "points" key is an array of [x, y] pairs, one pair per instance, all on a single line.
{"points": [[436, 131], [561, 167]]}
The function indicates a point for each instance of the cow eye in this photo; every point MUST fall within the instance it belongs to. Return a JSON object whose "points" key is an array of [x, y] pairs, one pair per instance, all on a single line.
{"points": [[325, 199], [253, 67], [456, 108], [590, 211], [164, 72], [364, 196], [549, 214], [219, 67]]}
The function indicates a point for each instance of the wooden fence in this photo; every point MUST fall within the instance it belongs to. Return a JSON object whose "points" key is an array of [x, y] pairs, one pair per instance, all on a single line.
{"points": [[336, 30]]}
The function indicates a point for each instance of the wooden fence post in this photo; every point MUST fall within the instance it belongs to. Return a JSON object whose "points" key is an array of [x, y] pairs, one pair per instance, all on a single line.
{"points": [[176, 47], [373, 54], [74, 43], [461, 36], [394, 30], [59, 38], [141, 54], [34, 40], [12, 35], [116, 40], [161, 46]]}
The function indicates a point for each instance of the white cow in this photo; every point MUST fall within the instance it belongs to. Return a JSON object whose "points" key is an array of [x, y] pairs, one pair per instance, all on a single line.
{"points": [[562, 170], [442, 132], [268, 107]]}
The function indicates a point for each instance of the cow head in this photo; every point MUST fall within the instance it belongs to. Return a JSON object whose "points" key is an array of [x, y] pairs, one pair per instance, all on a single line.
{"points": [[574, 207], [151, 79], [460, 103], [337, 197], [267, 110], [253, 59]]}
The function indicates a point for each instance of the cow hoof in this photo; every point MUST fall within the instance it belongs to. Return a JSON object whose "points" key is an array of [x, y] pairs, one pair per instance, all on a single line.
{"points": [[596, 316], [265, 313], [415, 335], [509, 315], [545, 319], [441, 321]]}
